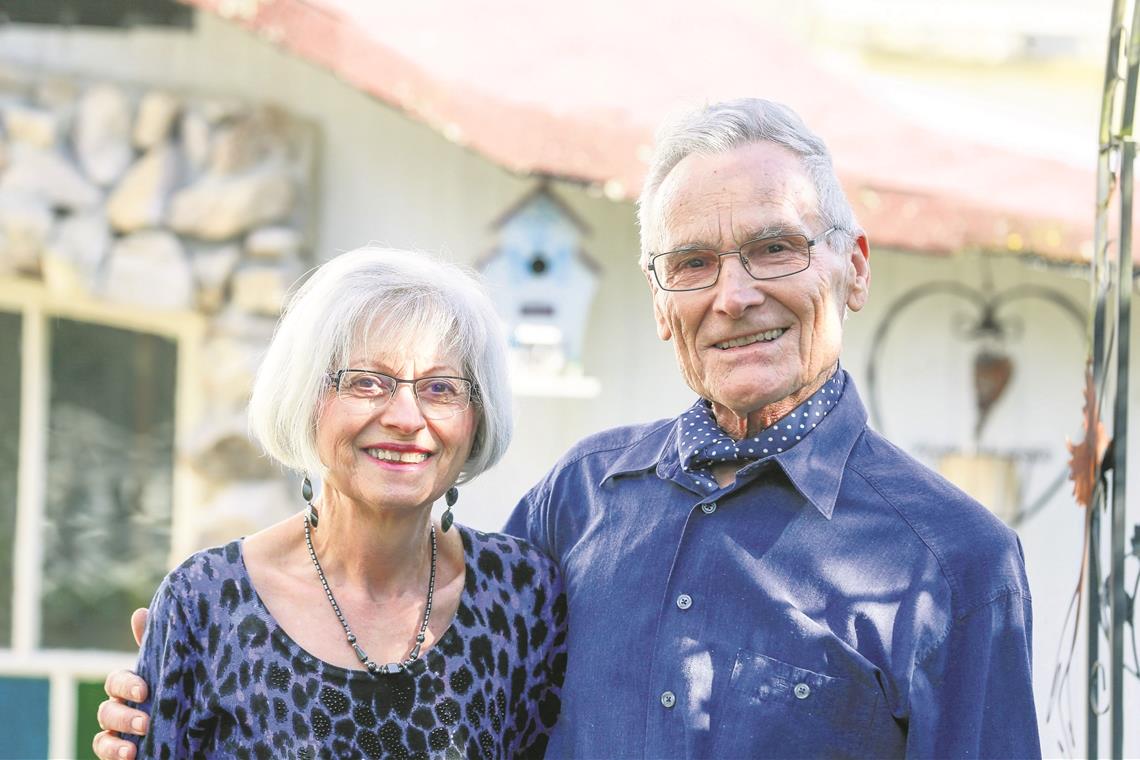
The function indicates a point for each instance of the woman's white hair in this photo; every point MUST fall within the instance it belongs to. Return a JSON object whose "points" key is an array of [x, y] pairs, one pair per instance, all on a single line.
{"points": [[413, 300], [724, 127]]}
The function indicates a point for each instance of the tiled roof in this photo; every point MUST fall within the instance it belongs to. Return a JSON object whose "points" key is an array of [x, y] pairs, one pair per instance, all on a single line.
{"points": [[576, 90]]}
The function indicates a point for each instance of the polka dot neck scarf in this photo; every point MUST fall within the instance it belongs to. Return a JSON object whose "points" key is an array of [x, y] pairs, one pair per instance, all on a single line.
{"points": [[701, 443]]}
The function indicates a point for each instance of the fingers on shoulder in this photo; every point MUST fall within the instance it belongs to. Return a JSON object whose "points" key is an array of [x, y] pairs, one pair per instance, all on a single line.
{"points": [[138, 624], [115, 716], [107, 746], [125, 685]]}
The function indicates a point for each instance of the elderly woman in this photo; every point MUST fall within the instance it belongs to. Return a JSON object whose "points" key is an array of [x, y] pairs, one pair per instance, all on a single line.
{"points": [[358, 628]]}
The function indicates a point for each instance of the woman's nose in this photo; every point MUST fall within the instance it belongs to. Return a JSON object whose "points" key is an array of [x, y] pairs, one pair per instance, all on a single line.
{"points": [[403, 411]]}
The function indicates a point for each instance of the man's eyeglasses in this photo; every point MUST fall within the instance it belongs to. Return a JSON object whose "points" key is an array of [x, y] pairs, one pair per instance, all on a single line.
{"points": [[765, 258], [439, 397]]}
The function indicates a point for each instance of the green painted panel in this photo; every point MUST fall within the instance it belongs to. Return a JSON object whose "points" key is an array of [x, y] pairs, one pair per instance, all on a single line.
{"points": [[88, 696]]}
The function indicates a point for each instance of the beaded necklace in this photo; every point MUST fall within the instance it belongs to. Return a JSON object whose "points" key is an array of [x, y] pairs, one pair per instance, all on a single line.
{"points": [[373, 668]]}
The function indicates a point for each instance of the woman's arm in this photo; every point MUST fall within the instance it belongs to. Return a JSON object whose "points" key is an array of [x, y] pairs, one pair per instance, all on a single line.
{"points": [[167, 662], [546, 666]]}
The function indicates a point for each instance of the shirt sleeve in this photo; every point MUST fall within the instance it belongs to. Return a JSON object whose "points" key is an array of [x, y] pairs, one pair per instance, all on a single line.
{"points": [[547, 666], [166, 662], [972, 695], [517, 523], [528, 522]]}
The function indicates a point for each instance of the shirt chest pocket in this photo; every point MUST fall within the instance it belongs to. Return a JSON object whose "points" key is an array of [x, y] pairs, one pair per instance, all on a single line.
{"points": [[774, 709]]}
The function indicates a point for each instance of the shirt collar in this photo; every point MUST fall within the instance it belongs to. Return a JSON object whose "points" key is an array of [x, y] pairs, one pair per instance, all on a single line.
{"points": [[647, 453], [815, 466]]}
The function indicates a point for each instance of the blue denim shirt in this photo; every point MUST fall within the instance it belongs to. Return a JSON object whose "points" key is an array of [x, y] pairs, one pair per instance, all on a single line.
{"points": [[838, 600]]}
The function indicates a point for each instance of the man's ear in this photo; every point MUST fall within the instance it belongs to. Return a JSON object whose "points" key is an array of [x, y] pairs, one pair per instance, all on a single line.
{"points": [[663, 330], [859, 287]]}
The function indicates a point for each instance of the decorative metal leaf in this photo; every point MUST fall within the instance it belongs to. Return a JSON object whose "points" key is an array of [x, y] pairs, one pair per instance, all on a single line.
{"points": [[1085, 456], [992, 373]]}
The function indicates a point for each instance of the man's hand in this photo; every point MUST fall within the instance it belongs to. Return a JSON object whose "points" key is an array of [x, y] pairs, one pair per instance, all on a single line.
{"points": [[115, 718]]}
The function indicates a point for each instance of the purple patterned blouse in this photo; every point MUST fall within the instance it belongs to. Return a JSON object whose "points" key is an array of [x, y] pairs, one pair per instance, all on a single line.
{"points": [[227, 681]]}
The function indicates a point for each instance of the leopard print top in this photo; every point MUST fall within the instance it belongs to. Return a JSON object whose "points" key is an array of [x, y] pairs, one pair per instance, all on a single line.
{"points": [[227, 681]]}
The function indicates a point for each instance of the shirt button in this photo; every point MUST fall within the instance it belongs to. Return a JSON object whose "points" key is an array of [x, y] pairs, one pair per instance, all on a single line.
{"points": [[709, 508], [802, 690], [684, 601], [668, 699]]}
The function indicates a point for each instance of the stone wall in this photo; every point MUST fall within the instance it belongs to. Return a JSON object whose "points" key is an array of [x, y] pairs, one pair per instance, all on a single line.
{"points": [[159, 200]]}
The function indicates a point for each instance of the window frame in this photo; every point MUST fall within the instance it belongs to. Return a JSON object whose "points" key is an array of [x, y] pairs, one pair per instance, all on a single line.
{"points": [[36, 305]]}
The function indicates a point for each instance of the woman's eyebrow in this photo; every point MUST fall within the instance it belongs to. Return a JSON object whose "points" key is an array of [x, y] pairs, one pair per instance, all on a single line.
{"points": [[435, 370]]}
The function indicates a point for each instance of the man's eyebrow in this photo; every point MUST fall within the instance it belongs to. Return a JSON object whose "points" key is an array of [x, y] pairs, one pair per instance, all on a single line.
{"points": [[697, 246], [695, 243], [773, 230]]}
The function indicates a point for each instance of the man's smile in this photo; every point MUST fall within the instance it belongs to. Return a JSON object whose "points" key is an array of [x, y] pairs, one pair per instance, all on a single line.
{"points": [[745, 340]]}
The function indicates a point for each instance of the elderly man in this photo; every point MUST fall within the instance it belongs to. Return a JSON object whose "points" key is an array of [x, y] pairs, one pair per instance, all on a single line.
{"points": [[763, 575]]}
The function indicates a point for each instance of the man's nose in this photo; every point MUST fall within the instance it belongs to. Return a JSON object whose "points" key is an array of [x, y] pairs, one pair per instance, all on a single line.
{"points": [[736, 290], [402, 412]]}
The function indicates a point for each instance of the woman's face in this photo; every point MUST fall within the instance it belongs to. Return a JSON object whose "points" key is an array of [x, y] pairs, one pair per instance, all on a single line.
{"points": [[391, 456]]}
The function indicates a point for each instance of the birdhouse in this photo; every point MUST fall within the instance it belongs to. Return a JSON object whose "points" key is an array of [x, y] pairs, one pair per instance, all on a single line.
{"points": [[543, 283]]}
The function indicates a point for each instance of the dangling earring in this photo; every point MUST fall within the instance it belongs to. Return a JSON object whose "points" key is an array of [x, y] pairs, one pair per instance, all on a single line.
{"points": [[446, 519], [307, 494]]}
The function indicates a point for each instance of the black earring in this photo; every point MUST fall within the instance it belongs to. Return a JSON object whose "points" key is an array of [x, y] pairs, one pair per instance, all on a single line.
{"points": [[446, 519], [307, 494]]}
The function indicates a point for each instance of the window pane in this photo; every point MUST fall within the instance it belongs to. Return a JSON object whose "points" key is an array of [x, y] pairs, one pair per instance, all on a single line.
{"points": [[104, 13], [23, 718], [110, 467], [9, 461]]}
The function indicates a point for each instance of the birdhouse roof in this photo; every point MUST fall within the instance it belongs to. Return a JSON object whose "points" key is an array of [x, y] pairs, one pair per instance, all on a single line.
{"points": [[541, 190]]}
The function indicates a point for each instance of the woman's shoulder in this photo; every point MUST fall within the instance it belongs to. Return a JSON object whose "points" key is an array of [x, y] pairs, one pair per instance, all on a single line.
{"points": [[509, 569], [489, 549], [210, 570]]}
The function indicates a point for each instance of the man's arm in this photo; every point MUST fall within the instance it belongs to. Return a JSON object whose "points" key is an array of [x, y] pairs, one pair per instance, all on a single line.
{"points": [[517, 522], [972, 695], [529, 521], [115, 717]]}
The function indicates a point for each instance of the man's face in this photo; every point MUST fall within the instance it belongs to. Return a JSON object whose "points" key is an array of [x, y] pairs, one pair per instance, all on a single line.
{"points": [[720, 201]]}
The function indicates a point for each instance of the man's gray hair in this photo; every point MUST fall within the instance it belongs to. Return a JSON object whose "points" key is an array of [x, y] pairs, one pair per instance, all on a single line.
{"points": [[724, 127], [415, 301]]}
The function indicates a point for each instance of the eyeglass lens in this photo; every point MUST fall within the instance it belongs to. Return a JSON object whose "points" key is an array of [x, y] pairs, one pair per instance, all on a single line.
{"points": [[438, 397], [765, 258]]}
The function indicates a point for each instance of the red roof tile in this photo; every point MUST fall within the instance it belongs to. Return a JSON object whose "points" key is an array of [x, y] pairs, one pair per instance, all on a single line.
{"points": [[575, 91]]}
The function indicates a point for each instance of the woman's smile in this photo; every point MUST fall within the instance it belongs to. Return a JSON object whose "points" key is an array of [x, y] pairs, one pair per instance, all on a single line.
{"points": [[396, 454]]}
